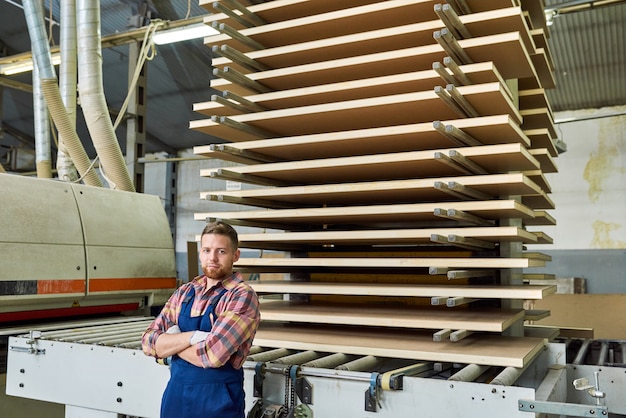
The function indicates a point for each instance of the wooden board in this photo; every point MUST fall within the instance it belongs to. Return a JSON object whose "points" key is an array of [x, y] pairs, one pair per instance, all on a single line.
{"points": [[541, 138], [339, 22], [372, 215], [331, 24], [539, 118], [507, 51], [399, 191], [383, 237], [488, 130], [408, 290], [487, 320], [399, 109], [534, 99], [541, 42], [538, 178], [606, 314], [323, 47], [543, 238], [539, 38], [536, 14], [368, 263], [542, 66], [479, 349], [279, 10], [541, 218], [535, 315], [549, 334], [414, 81], [418, 164], [546, 162]]}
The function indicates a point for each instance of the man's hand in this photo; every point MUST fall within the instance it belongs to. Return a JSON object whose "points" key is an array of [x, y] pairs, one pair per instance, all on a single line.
{"points": [[198, 336]]}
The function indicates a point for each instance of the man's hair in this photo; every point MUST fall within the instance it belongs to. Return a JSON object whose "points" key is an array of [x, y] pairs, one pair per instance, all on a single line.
{"points": [[221, 228]]}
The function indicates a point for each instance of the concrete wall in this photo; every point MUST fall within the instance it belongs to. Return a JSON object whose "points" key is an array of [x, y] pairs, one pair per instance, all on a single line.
{"points": [[589, 192]]}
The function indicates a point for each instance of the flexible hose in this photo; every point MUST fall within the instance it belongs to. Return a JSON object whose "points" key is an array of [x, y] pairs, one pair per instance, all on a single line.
{"points": [[68, 70], [92, 98], [66, 128], [41, 53]]}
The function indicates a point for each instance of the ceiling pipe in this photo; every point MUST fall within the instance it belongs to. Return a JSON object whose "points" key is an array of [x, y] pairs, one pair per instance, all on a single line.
{"points": [[67, 84], [41, 51], [580, 5], [576, 6], [92, 100], [43, 152]]}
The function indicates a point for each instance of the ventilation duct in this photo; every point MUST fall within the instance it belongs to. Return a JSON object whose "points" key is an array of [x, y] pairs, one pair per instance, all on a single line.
{"points": [[43, 159], [67, 84], [92, 97], [50, 89]]}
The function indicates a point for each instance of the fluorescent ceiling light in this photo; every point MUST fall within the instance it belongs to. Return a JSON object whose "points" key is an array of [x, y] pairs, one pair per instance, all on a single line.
{"points": [[24, 65], [184, 33]]}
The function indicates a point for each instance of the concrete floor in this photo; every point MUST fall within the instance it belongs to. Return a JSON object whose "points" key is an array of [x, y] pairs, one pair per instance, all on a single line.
{"points": [[14, 407]]}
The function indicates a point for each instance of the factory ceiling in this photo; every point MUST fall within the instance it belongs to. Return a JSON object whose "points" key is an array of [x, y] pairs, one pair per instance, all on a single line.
{"points": [[586, 43]]}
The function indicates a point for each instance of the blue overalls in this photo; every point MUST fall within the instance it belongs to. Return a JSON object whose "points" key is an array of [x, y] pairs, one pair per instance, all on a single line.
{"points": [[194, 392]]}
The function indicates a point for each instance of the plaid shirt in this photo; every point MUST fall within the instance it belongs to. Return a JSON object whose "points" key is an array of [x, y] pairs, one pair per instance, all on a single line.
{"points": [[236, 322]]}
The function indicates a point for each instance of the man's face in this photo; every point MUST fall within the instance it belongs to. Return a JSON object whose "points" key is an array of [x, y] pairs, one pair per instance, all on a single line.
{"points": [[217, 256]]}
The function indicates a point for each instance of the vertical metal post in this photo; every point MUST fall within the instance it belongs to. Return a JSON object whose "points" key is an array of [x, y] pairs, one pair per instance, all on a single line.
{"points": [[136, 123], [510, 277], [170, 194]]}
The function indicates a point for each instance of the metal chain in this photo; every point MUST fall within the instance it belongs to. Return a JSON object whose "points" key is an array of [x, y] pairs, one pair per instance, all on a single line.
{"points": [[292, 405], [285, 411]]}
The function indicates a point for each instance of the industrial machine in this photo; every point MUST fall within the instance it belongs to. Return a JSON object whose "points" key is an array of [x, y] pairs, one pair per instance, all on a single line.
{"points": [[69, 250], [91, 250], [97, 369]]}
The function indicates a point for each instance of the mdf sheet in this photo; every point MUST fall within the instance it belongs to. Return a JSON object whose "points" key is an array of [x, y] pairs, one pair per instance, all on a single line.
{"points": [[415, 81], [541, 218], [281, 10], [399, 109], [486, 130], [399, 36], [384, 237], [538, 118], [477, 319], [337, 23], [507, 51], [418, 164], [533, 99], [541, 138], [373, 215], [538, 178], [475, 349], [546, 162], [410, 290], [276, 11], [376, 192], [407, 264], [542, 65]]}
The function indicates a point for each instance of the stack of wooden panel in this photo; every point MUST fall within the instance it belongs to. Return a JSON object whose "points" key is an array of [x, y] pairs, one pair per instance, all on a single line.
{"points": [[397, 152]]}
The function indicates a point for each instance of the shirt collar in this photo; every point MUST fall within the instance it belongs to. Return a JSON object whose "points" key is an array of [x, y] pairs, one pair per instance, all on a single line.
{"points": [[199, 282]]}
